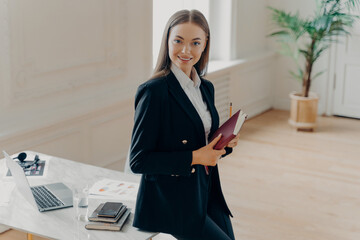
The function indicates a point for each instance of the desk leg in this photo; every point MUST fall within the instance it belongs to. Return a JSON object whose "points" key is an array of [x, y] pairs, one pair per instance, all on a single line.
{"points": [[29, 236]]}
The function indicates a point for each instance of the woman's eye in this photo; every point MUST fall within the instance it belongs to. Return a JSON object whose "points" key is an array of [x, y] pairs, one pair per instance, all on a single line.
{"points": [[196, 43], [177, 41]]}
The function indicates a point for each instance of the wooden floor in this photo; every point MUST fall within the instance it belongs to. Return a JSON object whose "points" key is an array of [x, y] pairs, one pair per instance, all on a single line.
{"points": [[282, 184], [286, 185]]}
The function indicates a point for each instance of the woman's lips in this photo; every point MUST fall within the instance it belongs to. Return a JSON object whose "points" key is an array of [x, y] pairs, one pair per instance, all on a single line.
{"points": [[184, 59]]}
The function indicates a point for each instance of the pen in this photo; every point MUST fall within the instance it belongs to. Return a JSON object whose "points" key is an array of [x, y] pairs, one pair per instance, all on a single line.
{"points": [[230, 109]]}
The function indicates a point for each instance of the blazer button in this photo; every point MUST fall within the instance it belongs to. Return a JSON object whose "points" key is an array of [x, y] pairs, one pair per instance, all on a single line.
{"points": [[193, 170], [184, 141]]}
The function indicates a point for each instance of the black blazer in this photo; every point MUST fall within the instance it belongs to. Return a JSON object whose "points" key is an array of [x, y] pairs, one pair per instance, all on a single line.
{"points": [[173, 195]]}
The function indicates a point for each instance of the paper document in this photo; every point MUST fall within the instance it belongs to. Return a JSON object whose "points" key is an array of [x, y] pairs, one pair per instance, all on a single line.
{"points": [[116, 189]]}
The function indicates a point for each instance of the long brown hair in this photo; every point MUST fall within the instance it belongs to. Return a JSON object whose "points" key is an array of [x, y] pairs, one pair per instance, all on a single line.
{"points": [[163, 64]]}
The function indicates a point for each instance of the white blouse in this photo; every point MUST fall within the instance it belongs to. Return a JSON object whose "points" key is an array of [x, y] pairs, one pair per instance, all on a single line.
{"points": [[192, 90]]}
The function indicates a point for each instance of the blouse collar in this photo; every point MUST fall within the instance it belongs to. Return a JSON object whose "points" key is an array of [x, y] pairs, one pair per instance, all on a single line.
{"points": [[184, 80]]}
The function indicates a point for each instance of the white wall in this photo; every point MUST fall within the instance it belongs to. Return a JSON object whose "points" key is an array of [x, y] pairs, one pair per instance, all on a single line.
{"points": [[69, 72], [68, 75], [284, 83], [251, 21], [251, 27], [247, 83], [251, 72]]}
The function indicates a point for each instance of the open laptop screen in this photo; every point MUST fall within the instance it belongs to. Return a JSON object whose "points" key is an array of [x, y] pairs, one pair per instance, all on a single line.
{"points": [[20, 179]]}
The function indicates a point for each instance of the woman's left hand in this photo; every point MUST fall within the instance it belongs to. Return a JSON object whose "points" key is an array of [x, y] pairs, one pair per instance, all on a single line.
{"points": [[234, 142]]}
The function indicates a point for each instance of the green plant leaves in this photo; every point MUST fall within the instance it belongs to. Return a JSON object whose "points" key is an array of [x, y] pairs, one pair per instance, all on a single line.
{"points": [[311, 37]]}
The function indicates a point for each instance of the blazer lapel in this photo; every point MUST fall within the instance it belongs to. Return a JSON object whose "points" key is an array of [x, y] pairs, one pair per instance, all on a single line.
{"points": [[185, 103]]}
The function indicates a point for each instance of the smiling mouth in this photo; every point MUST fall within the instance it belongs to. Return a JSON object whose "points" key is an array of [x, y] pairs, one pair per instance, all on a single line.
{"points": [[184, 59]]}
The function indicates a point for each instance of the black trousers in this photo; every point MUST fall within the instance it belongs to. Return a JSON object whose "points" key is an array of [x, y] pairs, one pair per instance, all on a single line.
{"points": [[217, 226]]}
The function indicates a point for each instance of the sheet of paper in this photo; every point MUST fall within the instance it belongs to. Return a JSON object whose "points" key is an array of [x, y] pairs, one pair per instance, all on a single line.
{"points": [[115, 189]]}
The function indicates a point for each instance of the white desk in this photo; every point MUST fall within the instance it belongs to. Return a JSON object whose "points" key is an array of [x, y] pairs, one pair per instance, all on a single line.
{"points": [[61, 224]]}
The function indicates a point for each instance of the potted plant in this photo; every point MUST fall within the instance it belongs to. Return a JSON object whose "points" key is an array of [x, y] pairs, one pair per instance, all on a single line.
{"points": [[305, 40]]}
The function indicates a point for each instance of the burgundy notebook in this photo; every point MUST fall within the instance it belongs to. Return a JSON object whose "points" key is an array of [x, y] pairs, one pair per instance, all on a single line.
{"points": [[229, 129]]}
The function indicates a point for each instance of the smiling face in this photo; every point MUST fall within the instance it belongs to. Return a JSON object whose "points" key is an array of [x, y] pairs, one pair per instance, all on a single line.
{"points": [[186, 43]]}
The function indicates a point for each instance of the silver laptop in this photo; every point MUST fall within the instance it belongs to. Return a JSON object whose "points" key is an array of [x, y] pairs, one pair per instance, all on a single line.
{"points": [[44, 197]]}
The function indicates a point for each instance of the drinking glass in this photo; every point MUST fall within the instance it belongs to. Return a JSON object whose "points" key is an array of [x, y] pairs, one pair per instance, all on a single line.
{"points": [[80, 203]]}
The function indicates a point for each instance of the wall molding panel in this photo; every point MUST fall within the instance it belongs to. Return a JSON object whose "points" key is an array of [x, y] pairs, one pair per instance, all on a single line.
{"points": [[70, 45], [69, 71], [100, 138]]}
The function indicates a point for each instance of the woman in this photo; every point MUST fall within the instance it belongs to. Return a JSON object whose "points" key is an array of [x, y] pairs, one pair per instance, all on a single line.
{"points": [[175, 116]]}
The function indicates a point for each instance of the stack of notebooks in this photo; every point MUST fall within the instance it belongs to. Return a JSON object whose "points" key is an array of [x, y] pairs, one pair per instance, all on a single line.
{"points": [[110, 223]]}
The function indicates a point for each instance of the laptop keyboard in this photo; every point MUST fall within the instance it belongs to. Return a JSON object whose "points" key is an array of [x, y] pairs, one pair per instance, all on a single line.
{"points": [[44, 198]]}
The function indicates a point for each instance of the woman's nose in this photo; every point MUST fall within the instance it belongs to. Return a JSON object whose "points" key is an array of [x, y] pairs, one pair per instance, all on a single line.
{"points": [[186, 49]]}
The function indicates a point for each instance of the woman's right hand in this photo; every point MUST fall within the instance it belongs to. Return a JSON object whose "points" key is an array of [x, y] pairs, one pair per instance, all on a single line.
{"points": [[207, 155]]}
